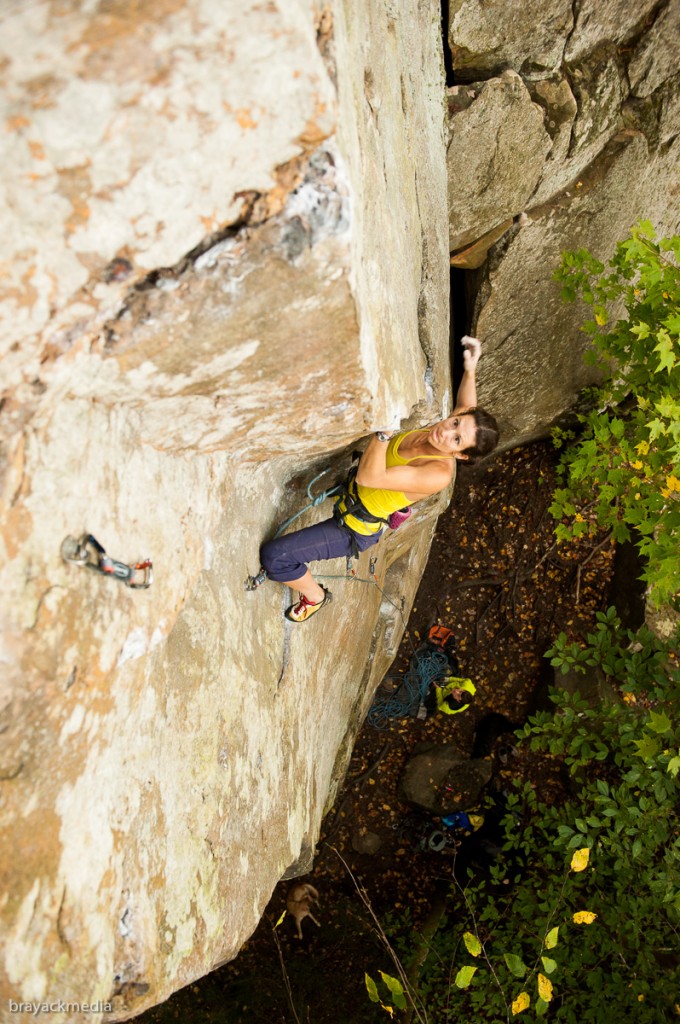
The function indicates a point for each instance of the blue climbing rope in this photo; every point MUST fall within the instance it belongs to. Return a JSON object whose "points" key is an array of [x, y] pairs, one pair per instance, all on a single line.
{"points": [[313, 501], [253, 582], [427, 664]]}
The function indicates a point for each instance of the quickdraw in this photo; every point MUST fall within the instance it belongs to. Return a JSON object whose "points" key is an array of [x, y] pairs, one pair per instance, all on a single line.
{"points": [[253, 582], [88, 553]]}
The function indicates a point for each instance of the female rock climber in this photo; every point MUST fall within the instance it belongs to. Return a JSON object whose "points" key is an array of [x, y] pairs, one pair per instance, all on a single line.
{"points": [[396, 470]]}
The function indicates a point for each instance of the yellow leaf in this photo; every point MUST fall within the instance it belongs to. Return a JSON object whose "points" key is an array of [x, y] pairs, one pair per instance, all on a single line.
{"points": [[579, 862], [600, 318], [642, 448], [521, 1003], [280, 919], [545, 988], [584, 917]]}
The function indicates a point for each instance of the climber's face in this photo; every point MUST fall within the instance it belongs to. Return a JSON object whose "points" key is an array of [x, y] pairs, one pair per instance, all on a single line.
{"points": [[454, 434]]}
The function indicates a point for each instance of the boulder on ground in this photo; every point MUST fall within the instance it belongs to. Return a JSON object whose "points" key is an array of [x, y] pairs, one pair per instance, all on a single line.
{"points": [[442, 780]]}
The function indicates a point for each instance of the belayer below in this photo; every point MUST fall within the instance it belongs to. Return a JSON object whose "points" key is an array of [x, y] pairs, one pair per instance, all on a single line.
{"points": [[396, 470], [431, 683]]}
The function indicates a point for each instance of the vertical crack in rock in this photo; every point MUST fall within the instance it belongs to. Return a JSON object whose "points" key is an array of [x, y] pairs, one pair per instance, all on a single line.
{"points": [[60, 922], [459, 322], [449, 71], [287, 630], [575, 11], [424, 336]]}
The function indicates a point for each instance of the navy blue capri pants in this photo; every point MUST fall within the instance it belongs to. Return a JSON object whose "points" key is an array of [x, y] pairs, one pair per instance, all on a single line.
{"points": [[285, 558]]}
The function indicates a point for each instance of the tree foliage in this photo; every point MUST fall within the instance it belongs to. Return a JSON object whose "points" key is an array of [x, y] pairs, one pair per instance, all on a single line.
{"points": [[625, 466]]}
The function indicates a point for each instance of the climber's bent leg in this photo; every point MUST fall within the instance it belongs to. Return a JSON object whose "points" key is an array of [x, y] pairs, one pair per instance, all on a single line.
{"points": [[286, 558]]}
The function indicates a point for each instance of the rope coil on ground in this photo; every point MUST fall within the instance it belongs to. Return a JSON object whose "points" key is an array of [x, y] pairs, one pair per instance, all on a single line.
{"points": [[427, 664]]}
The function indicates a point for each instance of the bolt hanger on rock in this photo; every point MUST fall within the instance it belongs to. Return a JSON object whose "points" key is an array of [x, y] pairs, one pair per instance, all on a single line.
{"points": [[88, 553]]}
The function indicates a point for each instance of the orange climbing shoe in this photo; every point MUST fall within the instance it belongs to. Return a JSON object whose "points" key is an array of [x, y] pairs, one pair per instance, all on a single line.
{"points": [[304, 609]]}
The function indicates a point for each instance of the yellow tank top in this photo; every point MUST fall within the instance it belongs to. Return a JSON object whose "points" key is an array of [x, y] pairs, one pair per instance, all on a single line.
{"points": [[378, 501]]}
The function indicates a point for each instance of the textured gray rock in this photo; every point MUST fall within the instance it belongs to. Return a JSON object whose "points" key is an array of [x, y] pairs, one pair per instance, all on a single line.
{"points": [[441, 780], [558, 102], [495, 157], [535, 367], [586, 108], [599, 88], [605, 79], [486, 38], [656, 56], [611, 21]]}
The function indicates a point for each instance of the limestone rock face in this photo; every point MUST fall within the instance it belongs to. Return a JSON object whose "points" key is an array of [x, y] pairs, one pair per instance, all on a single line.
{"points": [[226, 262], [596, 150]]}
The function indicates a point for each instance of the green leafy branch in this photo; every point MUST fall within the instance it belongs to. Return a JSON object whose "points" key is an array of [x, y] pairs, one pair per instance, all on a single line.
{"points": [[514, 962], [628, 454]]}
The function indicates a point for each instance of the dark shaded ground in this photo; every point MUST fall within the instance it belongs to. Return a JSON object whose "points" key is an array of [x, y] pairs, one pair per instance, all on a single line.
{"points": [[497, 578]]}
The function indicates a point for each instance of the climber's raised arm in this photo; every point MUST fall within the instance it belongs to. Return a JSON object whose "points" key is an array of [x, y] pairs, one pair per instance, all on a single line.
{"points": [[466, 397]]}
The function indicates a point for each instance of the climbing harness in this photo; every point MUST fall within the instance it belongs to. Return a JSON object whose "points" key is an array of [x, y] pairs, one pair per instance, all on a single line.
{"points": [[88, 553], [346, 492], [354, 507]]}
